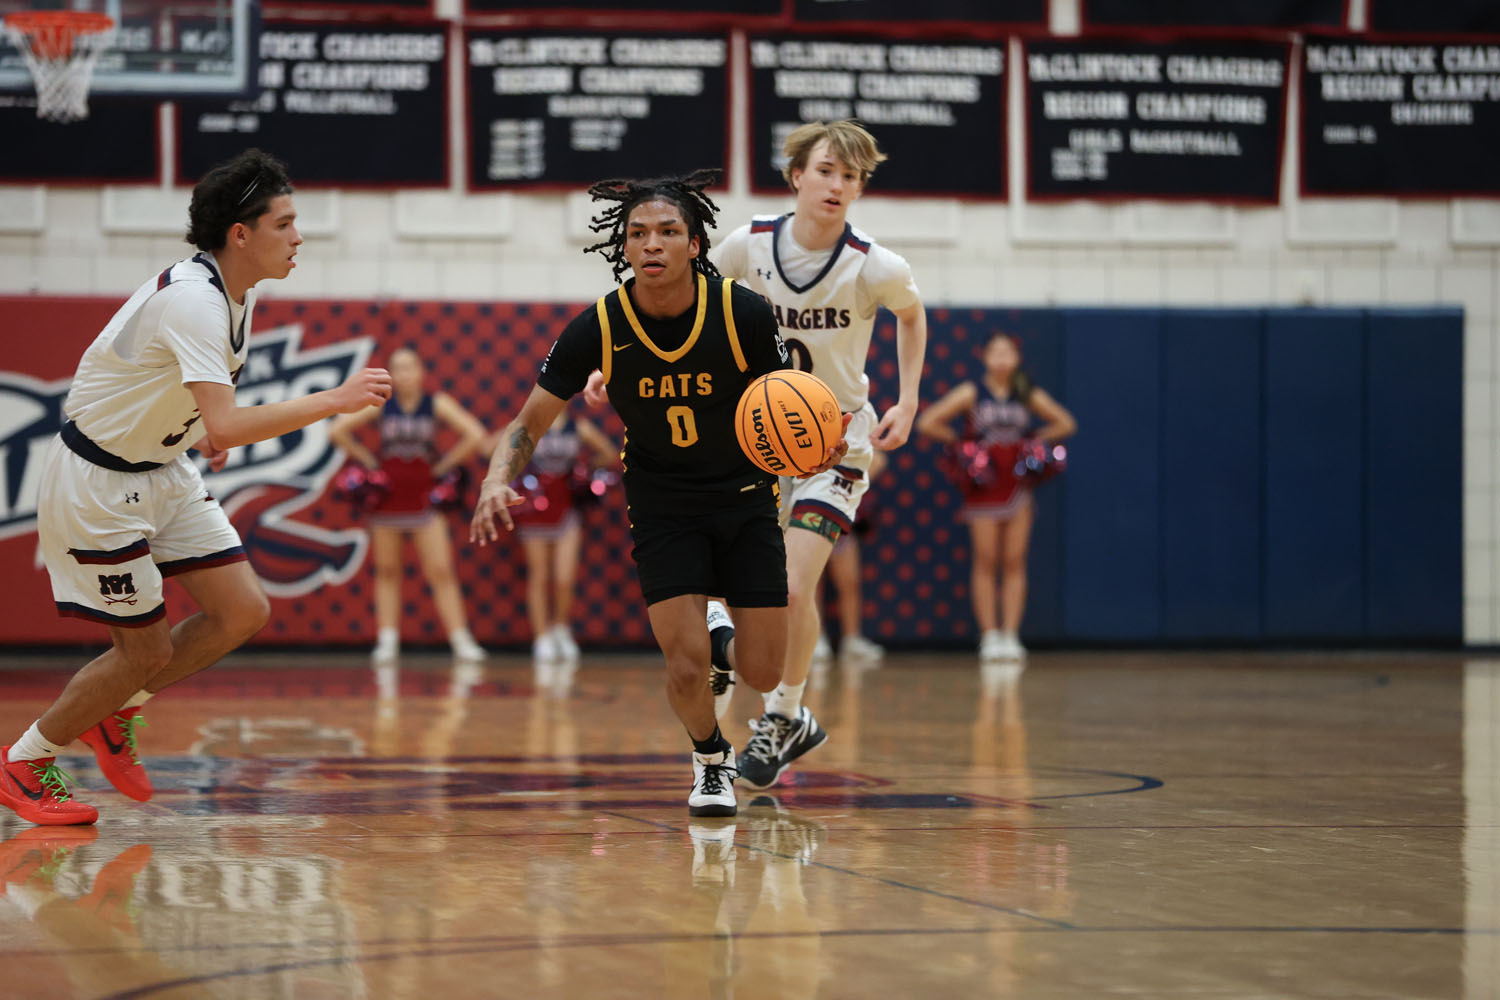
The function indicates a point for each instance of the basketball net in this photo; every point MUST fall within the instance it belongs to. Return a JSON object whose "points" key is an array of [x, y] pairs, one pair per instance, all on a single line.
{"points": [[61, 48]]}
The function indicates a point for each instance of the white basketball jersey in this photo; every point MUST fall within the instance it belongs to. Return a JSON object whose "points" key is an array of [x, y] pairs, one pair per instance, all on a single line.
{"points": [[827, 316], [129, 395]]}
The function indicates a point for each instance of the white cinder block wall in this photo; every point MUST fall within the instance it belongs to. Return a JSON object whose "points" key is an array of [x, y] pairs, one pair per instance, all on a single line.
{"points": [[446, 245]]}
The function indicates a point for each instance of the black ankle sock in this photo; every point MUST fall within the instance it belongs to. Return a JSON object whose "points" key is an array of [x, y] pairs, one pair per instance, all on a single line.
{"points": [[719, 643], [716, 743]]}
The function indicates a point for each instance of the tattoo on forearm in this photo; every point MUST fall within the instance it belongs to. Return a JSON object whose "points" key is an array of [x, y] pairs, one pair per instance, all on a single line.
{"points": [[521, 449]]}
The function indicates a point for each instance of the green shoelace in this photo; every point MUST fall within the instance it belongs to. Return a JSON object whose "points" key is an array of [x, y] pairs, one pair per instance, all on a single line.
{"points": [[54, 779], [128, 725]]}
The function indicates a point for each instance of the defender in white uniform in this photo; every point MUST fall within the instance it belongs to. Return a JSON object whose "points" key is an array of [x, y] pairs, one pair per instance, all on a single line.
{"points": [[825, 280], [121, 506]]}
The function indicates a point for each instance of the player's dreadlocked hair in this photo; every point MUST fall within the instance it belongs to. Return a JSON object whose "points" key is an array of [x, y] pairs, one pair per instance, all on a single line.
{"points": [[698, 213]]}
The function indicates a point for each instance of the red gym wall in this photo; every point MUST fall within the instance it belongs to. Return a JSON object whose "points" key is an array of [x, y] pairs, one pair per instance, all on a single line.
{"points": [[308, 548]]}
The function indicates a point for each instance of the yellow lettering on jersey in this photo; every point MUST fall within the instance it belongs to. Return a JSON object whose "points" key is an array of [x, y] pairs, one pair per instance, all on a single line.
{"points": [[676, 384]]}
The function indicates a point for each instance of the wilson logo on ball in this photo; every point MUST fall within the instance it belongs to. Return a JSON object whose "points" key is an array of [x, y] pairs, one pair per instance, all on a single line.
{"points": [[786, 422]]}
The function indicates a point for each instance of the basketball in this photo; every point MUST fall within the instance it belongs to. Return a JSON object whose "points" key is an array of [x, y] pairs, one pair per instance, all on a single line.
{"points": [[786, 422]]}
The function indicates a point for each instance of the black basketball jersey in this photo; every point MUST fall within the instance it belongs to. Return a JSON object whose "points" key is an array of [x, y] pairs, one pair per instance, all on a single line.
{"points": [[675, 384]]}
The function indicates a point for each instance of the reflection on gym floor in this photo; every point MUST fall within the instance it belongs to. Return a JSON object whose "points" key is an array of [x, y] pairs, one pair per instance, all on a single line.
{"points": [[1148, 825]]}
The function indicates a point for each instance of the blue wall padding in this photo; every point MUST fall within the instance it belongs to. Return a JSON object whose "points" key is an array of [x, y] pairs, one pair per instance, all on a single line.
{"points": [[1211, 474], [1314, 475], [1414, 453], [1111, 511], [1240, 476]]}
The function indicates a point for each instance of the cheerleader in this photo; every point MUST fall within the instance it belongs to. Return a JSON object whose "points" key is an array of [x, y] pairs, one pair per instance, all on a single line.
{"points": [[551, 530], [999, 411], [411, 464]]}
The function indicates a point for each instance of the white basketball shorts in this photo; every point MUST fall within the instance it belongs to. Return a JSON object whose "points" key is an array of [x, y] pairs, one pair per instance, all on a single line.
{"points": [[826, 503], [110, 538]]}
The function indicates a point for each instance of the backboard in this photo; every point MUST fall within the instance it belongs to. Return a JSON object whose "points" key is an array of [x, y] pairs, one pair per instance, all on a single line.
{"points": [[162, 48]]}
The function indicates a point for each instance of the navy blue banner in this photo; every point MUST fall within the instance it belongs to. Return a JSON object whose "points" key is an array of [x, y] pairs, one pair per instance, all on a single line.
{"points": [[937, 107], [1448, 16], [348, 104], [1032, 12], [1400, 118], [116, 143], [768, 8], [1216, 14], [567, 108], [1187, 119]]}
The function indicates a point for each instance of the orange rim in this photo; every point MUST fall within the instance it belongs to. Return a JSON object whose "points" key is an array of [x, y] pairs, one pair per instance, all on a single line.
{"points": [[53, 31]]}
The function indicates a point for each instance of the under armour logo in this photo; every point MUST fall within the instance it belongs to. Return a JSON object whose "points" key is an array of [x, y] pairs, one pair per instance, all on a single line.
{"points": [[132, 498], [764, 273]]}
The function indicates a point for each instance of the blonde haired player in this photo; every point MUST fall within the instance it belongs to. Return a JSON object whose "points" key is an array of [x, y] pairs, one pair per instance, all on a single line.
{"points": [[825, 280]]}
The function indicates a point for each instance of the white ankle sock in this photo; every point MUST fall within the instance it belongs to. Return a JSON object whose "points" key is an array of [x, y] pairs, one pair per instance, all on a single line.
{"points": [[459, 636], [388, 637], [138, 699], [786, 700], [33, 746]]}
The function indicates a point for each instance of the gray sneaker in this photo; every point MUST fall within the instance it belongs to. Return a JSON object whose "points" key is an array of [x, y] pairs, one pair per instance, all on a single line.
{"points": [[805, 735], [760, 764]]}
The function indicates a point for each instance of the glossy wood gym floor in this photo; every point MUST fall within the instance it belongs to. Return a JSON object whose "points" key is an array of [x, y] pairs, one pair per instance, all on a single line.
{"points": [[1182, 825]]}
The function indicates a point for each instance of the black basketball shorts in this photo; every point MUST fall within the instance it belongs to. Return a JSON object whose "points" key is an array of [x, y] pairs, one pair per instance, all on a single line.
{"points": [[734, 552]]}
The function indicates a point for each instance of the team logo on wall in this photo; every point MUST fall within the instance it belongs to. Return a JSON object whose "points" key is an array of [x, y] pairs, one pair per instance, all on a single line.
{"points": [[30, 415], [263, 485]]}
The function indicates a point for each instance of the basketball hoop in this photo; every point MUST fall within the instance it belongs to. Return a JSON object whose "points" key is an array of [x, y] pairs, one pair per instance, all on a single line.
{"points": [[61, 48]]}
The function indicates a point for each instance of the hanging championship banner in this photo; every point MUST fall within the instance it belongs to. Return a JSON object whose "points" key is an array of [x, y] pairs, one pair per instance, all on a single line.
{"points": [[347, 104], [117, 143], [1199, 119], [1400, 119], [1446, 17], [1217, 14], [937, 107], [365, 8], [764, 8], [564, 109], [1014, 12]]}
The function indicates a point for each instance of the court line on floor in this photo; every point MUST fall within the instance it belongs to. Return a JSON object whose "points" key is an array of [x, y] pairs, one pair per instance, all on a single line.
{"points": [[494, 945], [515, 942], [1013, 911]]}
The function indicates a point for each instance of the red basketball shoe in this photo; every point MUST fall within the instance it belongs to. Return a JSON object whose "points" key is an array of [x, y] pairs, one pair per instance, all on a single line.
{"points": [[38, 792], [37, 851], [113, 895], [113, 742]]}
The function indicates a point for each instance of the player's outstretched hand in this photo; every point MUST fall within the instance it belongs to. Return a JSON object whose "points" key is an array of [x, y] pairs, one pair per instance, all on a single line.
{"points": [[836, 453], [368, 387], [894, 428], [216, 456], [495, 501], [594, 392]]}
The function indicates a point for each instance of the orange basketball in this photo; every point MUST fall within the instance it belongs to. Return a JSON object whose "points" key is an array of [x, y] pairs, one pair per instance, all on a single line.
{"points": [[787, 420]]}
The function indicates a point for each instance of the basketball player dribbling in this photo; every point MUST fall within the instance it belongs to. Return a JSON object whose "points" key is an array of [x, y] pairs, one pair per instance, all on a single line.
{"points": [[121, 507], [825, 280], [676, 345]]}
